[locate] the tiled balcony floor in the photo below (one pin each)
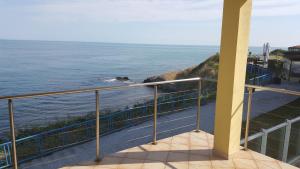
(185, 151)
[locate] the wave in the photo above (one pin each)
(110, 80)
(128, 82)
(116, 80)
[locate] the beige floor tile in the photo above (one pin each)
(158, 156)
(223, 167)
(199, 160)
(200, 134)
(122, 153)
(211, 144)
(161, 147)
(203, 151)
(193, 166)
(146, 147)
(177, 165)
(195, 146)
(184, 135)
(222, 164)
(135, 149)
(131, 164)
(287, 166)
(153, 165)
(189, 150)
(137, 155)
(82, 167)
(166, 140)
(268, 165)
(181, 140)
(199, 142)
(179, 148)
(110, 162)
(178, 157)
(209, 136)
(258, 156)
(242, 155)
(102, 167)
(245, 164)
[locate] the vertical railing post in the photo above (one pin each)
(39, 142)
(12, 134)
(8, 146)
(286, 140)
(97, 127)
(199, 104)
(5, 154)
(263, 147)
(250, 93)
(155, 115)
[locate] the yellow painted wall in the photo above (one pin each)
(232, 72)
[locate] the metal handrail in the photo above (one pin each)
(264, 134)
(96, 90)
(83, 90)
(154, 84)
(273, 89)
(250, 89)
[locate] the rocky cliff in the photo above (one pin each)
(208, 69)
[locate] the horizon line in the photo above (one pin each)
(129, 43)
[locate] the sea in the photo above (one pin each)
(44, 66)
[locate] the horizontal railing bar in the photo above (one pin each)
(294, 160)
(269, 130)
(259, 76)
(277, 90)
(285, 91)
(252, 137)
(96, 88)
(276, 127)
(295, 119)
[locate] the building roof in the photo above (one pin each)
(293, 56)
(295, 47)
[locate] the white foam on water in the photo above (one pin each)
(110, 80)
(128, 82)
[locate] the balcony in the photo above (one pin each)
(190, 150)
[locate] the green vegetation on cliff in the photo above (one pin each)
(208, 69)
(278, 52)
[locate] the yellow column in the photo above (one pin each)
(232, 73)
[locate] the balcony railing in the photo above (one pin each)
(10, 149)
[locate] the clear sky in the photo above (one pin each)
(195, 22)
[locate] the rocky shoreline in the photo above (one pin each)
(207, 69)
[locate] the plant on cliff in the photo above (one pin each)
(206, 69)
(278, 52)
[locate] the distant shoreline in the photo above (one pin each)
(128, 43)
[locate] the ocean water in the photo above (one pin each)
(40, 66)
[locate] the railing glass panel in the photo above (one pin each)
(294, 145)
(275, 142)
(255, 144)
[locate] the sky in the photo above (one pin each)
(188, 22)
